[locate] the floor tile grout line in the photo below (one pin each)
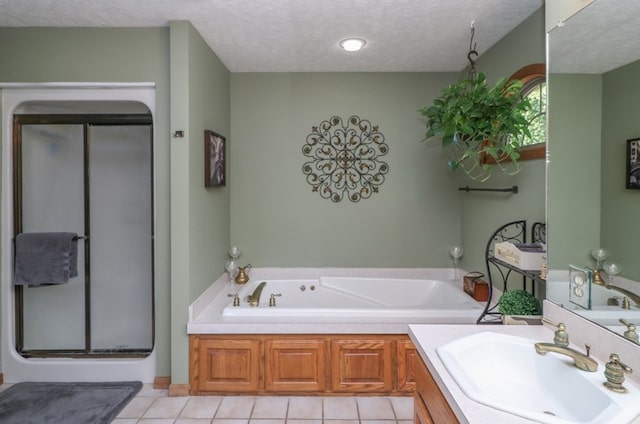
(286, 414)
(393, 409)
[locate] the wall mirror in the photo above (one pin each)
(593, 68)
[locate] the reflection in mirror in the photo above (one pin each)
(593, 66)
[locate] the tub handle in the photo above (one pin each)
(272, 298)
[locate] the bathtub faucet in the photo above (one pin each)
(254, 298)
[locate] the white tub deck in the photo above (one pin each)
(344, 300)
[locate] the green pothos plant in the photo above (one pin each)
(480, 124)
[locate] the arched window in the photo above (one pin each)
(535, 89)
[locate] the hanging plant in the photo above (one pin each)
(480, 124)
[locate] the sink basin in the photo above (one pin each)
(506, 373)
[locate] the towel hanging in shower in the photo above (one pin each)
(45, 258)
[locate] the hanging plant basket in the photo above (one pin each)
(480, 124)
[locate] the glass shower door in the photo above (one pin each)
(53, 201)
(121, 237)
(93, 178)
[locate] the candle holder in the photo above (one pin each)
(231, 265)
(612, 270)
(456, 253)
(599, 255)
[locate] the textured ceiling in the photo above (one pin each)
(303, 35)
(601, 37)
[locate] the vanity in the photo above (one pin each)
(439, 397)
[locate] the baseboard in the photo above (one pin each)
(179, 390)
(161, 382)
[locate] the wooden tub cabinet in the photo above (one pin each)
(322, 364)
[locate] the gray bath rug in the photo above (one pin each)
(65, 403)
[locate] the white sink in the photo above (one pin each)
(506, 373)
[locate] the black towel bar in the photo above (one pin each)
(513, 189)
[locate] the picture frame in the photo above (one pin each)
(215, 169)
(633, 164)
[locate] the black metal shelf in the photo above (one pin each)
(530, 274)
(515, 232)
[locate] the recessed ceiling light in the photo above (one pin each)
(352, 44)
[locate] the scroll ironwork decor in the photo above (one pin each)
(345, 159)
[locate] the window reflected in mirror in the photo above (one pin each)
(534, 88)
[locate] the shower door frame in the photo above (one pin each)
(87, 121)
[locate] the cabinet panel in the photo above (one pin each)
(228, 365)
(420, 411)
(428, 392)
(407, 355)
(295, 365)
(361, 365)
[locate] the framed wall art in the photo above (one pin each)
(214, 159)
(633, 164)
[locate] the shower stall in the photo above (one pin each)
(84, 167)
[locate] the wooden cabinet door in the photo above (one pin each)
(295, 365)
(427, 390)
(406, 355)
(362, 365)
(231, 366)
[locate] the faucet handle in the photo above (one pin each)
(272, 298)
(614, 372)
(561, 337)
(630, 334)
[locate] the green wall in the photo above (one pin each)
(277, 220)
(418, 214)
(200, 216)
(620, 231)
(482, 212)
(574, 172)
(109, 55)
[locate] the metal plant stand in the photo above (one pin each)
(514, 232)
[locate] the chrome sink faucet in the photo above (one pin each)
(561, 345)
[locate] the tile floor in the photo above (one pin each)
(152, 406)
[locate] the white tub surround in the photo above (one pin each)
(334, 300)
(427, 338)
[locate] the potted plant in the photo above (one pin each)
(519, 307)
(480, 124)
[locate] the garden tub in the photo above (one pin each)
(355, 297)
(334, 300)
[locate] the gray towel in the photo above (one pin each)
(45, 258)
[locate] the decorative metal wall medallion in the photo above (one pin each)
(345, 159)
